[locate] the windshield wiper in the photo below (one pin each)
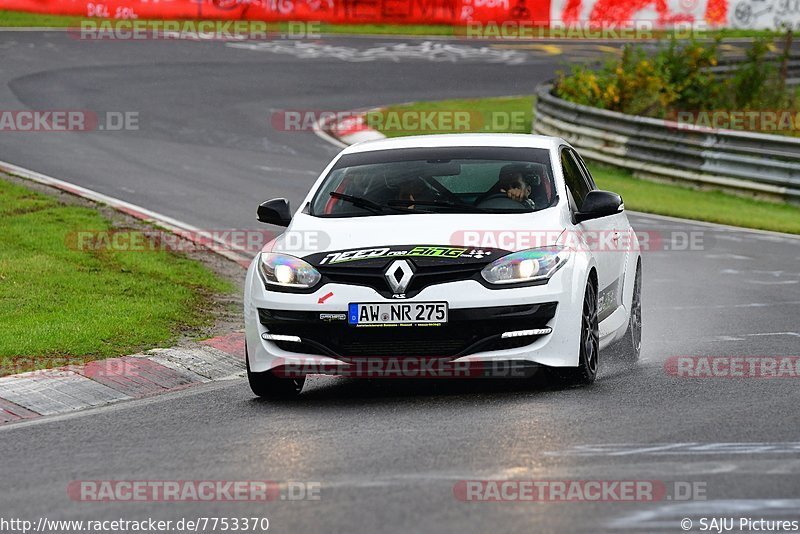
(358, 202)
(367, 204)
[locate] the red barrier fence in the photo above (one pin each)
(553, 13)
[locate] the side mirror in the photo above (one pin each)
(599, 204)
(275, 211)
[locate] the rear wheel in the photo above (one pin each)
(631, 344)
(589, 356)
(269, 386)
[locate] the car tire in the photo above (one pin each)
(268, 386)
(586, 371)
(631, 344)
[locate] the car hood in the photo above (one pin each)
(310, 236)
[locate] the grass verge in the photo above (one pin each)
(484, 115)
(687, 203)
(23, 19)
(59, 302)
(491, 114)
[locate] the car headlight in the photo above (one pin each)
(526, 266)
(287, 271)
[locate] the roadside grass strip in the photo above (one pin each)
(62, 304)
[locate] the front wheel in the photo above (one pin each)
(269, 386)
(589, 356)
(631, 344)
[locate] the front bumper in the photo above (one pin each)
(478, 318)
(468, 331)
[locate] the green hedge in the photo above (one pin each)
(677, 78)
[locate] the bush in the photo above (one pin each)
(678, 77)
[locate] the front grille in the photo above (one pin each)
(424, 276)
(469, 331)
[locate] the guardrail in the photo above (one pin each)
(727, 66)
(766, 166)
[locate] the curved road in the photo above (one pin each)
(388, 455)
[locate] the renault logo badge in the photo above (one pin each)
(399, 275)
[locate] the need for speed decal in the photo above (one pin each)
(418, 251)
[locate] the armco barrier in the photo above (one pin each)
(727, 67)
(736, 161)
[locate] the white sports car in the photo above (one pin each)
(469, 254)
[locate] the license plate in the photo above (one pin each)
(401, 313)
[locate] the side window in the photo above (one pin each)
(574, 178)
(586, 173)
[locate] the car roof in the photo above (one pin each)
(458, 140)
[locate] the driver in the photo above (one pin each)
(512, 182)
(415, 189)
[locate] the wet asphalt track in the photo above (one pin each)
(388, 454)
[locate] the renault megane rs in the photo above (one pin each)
(476, 250)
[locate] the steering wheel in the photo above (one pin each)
(498, 201)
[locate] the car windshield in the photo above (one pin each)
(437, 180)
